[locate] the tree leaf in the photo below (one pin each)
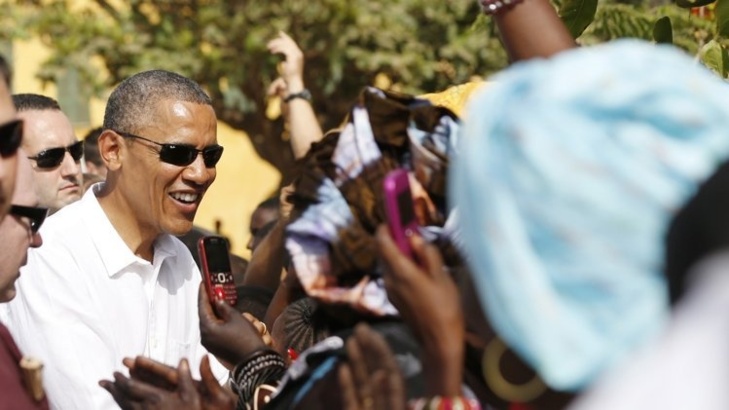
(663, 31)
(722, 18)
(689, 4)
(577, 15)
(714, 56)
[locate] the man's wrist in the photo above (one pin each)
(295, 84)
(303, 94)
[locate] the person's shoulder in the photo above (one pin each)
(68, 220)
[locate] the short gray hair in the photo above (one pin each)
(132, 103)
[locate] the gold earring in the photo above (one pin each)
(515, 393)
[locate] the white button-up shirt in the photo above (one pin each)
(85, 302)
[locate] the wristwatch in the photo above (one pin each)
(303, 94)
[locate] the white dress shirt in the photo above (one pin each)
(85, 302)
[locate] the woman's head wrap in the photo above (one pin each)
(570, 170)
(339, 201)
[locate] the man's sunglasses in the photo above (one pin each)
(11, 135)
(53, 157)
(36, 215)
(182, 154)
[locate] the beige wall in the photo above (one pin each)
(243, 179)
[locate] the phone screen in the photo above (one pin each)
(405, 207)
(217, 255)
(219, 280)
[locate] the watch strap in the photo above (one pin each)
(303, 94)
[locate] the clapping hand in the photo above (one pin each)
(370, 379)
(154, 385)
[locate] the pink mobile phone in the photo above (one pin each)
(400, 210)
(216, 271)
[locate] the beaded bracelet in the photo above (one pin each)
(444, 403)
(492, 7)
(262, 367)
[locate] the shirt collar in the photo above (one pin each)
(113, 251)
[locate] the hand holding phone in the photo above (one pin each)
(400, 210)
(216, 271)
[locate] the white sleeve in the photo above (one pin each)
(53, 318)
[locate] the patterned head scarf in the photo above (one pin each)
(569, 173)
(338, 197)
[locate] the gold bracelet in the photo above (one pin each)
(515, 393)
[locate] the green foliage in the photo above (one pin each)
(715, 57)
(687, 4)
(577, 15)
(422, 46)
(663, 31)
(722, 18)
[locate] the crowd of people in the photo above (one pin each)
(570, 250)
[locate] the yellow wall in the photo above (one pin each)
(243, 181)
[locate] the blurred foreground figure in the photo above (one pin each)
(564, 210)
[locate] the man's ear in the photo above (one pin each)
(111, 149)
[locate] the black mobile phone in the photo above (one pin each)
(216, 271)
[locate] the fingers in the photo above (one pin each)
(205, 309)
(118, 396)
(375, 349)
(208, 378)
(378, 395)
(128, 362)
(154, 373)
(358, 366)
(224, 310)
(283, 44)
(400, 266)
(278, 88)
(346, 384)
(187, 390)
(136, 390)
(428, 255)
(260, 326)
(393, 387)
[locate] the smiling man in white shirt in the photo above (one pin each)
(111, 280)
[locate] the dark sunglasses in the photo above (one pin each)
(182, 154)
(11, 135)
(36, 215)
(51, 158)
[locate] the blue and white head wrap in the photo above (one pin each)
(569, 172)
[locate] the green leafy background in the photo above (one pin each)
(421, 46)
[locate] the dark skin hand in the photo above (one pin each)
(429, 302)
(225, 332)
(133, 394)
(370, 379)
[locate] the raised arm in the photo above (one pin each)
(303, 125)
(529, 28)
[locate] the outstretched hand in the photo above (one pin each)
(428, 300)
(179, 391)
(292, 68)
(225, 332)
(370, 379)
